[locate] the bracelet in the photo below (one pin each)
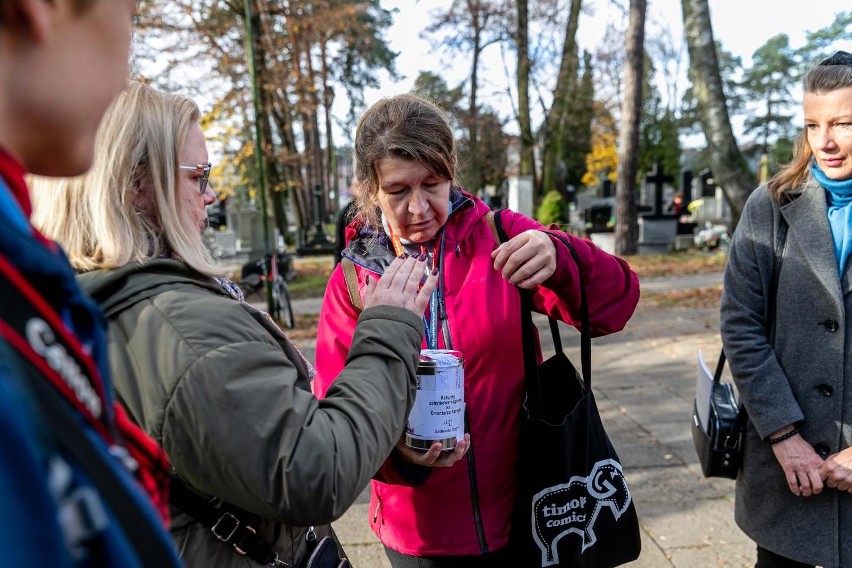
(783, 437)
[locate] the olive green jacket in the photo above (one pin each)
(222, 389)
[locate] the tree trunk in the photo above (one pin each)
(730, 170)
(332, 204)
(626, 224)
(263, 136)
(554, 123)
(474, 178)
(290, 160)
(527, 143)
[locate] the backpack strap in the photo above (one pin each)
(489, 218)
(351, 278)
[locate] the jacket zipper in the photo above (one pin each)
(471, 465)
(474, 491)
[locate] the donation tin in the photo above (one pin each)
(438, 411)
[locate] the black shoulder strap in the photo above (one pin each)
(530, 366)
(780, 244)
(225, 521)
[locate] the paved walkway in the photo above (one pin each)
(644, 379)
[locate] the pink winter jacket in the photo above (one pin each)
(466, 509)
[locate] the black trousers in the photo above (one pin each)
(767, 559)
(498, 558)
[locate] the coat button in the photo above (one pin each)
(831, 325)
(824, 389)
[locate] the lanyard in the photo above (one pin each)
(431, 323)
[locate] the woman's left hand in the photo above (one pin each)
(527, 259)
(837, 470)
(434, 456)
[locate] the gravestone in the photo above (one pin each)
(319, 242)
(686, 186)
(685, 233)
(227, 242)
(656, 229)
(712, 206)
(599, 216)
(521, 195)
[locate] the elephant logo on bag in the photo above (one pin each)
(574, 507)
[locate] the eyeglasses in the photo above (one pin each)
(205, 174)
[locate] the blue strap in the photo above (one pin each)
(11, 212)
(432, 322)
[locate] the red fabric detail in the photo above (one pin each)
(153, 472)
(13, 173)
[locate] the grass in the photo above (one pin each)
(312, 275)
(679, 263)
(692, 299)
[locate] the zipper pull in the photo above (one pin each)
(458, 250)
(376, 512)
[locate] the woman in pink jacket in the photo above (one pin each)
(452, 508)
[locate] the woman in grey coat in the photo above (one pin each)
(793, 491)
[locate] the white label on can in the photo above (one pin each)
(437, 415)
(438, 410)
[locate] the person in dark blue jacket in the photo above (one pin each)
(80, 486)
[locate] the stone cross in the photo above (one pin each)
(658, 178)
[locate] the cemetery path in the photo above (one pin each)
(644, 381)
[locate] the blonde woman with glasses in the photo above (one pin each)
(212, 378)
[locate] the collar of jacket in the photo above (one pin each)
(371, 247)
(117, 289)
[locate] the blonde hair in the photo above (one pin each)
(97, 217)
(823, 78)
(404, 126)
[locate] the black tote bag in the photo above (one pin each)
(573, 507)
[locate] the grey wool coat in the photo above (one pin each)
(220, 387)
(803, 376)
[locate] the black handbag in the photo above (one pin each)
(718, 420)
(573, 506)
(718, 431)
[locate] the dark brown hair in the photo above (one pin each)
(404, 126)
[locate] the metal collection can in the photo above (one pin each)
(438, 411)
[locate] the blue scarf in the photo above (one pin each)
(838, 195)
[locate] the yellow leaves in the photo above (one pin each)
(602, 161)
